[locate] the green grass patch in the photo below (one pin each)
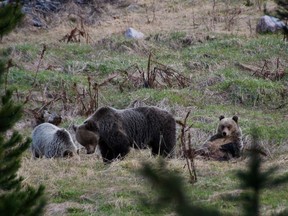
(76, 211)
(69, 194)
(253, 92)
(23, 79)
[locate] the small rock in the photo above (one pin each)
(132, 33)
(133, 7)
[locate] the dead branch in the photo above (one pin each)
(41, 115)
(48, 103)
(156, 75)
(108, 80)
(266, 71)
(39, 63)
(189, 153)
(76, 34)
(90, 96)
(171, 75)
(150, 82)
(230, 16)
(93, 90)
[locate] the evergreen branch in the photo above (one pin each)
(9, 113)
(171, 192)
(15, 199)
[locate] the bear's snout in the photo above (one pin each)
(90, 152)
(68, 154)
(90, 149)
(224, 134)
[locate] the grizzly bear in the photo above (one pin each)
(51, 141)
(226, 143)
(115, 131)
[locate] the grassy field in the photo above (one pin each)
(229, 70)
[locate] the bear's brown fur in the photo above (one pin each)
(226, 143)
(115, 131)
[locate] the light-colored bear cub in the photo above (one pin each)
(51, 141)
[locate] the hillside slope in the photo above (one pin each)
(227, 69)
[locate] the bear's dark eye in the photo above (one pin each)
(229, 127)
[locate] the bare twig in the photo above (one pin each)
(39, 63)
(148, 71)
(76, 34)
(189, 153)
(266, 71)
(250, 27)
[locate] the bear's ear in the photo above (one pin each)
(221, 117)
(91, 125)
(235, 118)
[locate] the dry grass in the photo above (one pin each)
(170, 16)
(82, 182)
(84, 186)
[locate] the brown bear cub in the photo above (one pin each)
(227, 143)
(115, 131)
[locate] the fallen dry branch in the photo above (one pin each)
(84, 97)
(157, 75)
(169, 77)
(266, 71)
(108, 80)
(75, 35)
(88, 98)
(165, 76)
(133, 75)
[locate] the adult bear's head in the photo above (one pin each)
(87, 135)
